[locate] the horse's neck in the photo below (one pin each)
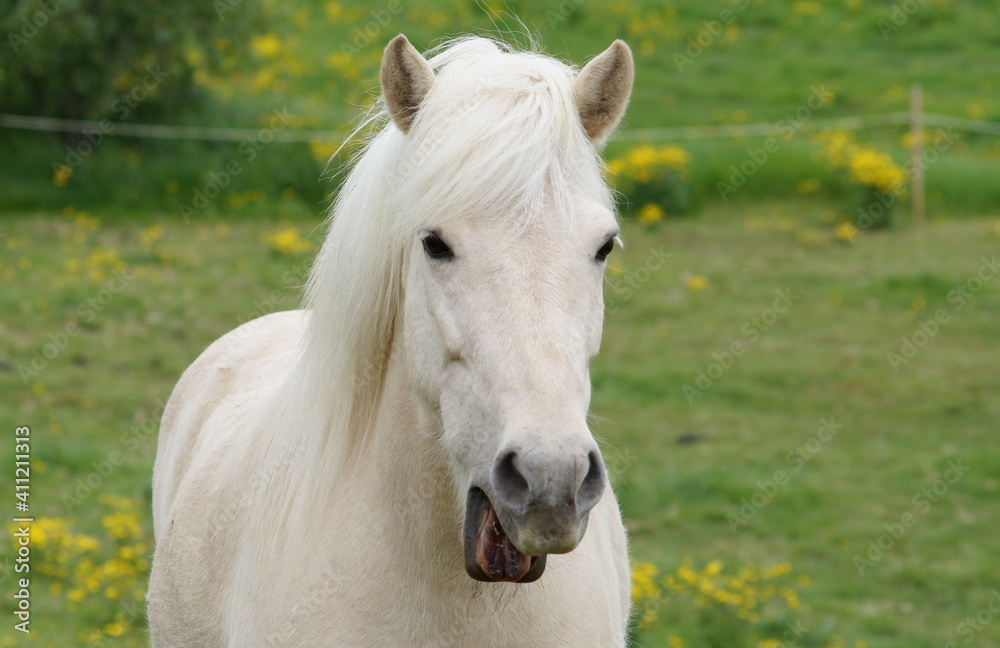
(398, 501)
(407, 474)
(394, 498)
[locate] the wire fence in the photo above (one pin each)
(676, 133)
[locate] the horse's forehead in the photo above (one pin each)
(552, 224)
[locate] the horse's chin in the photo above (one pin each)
(490, 555)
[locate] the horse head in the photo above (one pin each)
(509, 224)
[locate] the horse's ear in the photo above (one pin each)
(602, 90)
(406, 79)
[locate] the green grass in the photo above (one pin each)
(825, 357)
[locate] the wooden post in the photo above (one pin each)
(917, 171)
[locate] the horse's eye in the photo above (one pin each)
(605, 250)
(436, 248)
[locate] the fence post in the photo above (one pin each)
(916, 153)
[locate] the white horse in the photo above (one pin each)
(393, 465)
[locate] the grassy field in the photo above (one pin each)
(696, 64)
(799, 418)
(688, 463)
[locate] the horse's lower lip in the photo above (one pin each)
(490, 556)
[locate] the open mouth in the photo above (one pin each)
(490, 556)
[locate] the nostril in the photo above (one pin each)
(593, 485)
(509, 484)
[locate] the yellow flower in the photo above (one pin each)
(776, 570)
(807, 186)
(646, 163)
(696, 283)
(266, 45)
(322, 151)
(263, 79)
(644, 581)
(807, 8)
(86, 222)
(150, 235)
(846, 232)
(875, 169)
(286, 240)
(651, 213)
(675, 642)
(713, 568)
(334, 10)
(194, 57)
(837, 145)
(62, 175)
(101, 262)
(976, 110)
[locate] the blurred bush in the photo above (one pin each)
(653, 181)
(97, 59)
(880, 179)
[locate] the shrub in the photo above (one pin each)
(653, 181)
(880, 179)
(96, 59)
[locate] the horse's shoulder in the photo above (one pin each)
(225, 384)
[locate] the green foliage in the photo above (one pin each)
(97, 59)
(653, 180)
(744, 607)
